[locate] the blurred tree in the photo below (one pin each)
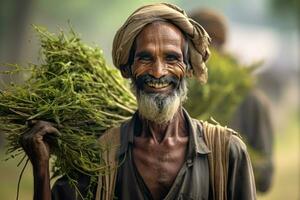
(15, 15)
(286, 6)
(14, 21)
(286, 12)
(228, 84)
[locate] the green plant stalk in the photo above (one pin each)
(74, 89)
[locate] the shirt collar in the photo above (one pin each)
(196, 140)
(127, 133)
(197, 143)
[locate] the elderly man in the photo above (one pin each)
(162, 153)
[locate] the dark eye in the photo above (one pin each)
(172, 58)
(145, 58)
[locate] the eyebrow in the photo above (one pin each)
(142, 54)
(174, 53)
(147, 53)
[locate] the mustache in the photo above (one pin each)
(147, 78)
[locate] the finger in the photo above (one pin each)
(30, 135)
(58, 126)
(37, 134)
(50, 130)
(46, 127)
(32, 122)
(40, 129)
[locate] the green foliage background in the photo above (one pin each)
(228, 83)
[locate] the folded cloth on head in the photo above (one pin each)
(197, 37)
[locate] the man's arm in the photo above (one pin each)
(41, 182)
(35, 143)
(241, 184)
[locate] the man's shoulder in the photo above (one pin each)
(111, 135)
(212, 127)
(214, 133)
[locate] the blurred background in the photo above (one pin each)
(265, 31)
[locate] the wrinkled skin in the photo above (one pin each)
(159, 53)
(159, 151)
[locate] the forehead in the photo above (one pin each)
(160, 34)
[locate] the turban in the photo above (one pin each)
(197, 37)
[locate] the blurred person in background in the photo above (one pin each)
(252, 117)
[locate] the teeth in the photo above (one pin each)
(158, 85)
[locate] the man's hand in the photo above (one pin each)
(37, 143)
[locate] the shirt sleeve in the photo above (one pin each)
(241, 184)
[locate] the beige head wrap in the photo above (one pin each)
(197, 37)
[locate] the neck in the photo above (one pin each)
(176, 127)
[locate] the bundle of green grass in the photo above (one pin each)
(228, 84)
(75, 90)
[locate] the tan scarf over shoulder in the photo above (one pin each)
(110, 143)
(216, 138)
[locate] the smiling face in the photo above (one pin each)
(158, 71)
(158, 64)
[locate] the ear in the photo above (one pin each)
(189, 73)
(126, 71)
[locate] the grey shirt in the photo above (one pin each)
(192, 181)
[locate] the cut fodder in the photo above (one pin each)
(75, 90)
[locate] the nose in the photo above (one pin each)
(158, 69)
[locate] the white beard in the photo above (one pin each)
(161, 108)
